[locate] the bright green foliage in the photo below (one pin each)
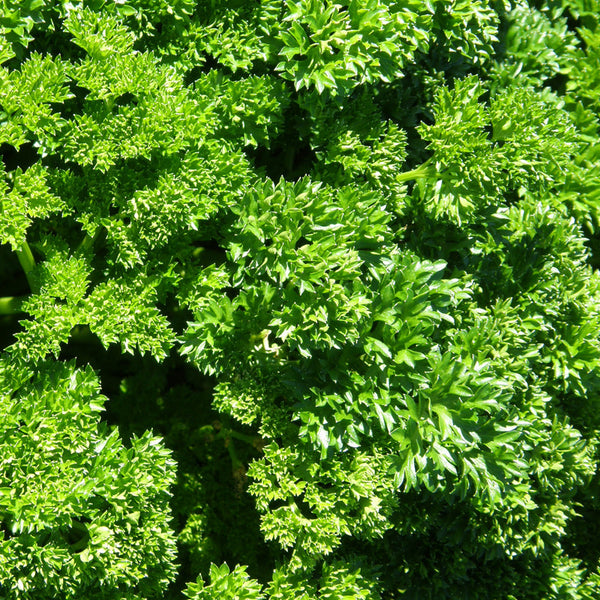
(507, 143)
(250, 111)
(538, 45)
(336, 582)
(18, 19)
(235, 585)
(26, 98)
(342, 257)
(26, 196)
(324, 43)
(80, 512)
(321, 503)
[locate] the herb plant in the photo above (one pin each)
(299, 299)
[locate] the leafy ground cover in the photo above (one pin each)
(299, 299)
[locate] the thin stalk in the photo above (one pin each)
(249, 439)
(11, 305)
(27, 262)
(88, 241)
(254, 440)
(288, 158)
(238, 471)
(236, 463)
(217, 431)
(424, 170)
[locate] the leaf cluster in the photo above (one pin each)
(370, 230)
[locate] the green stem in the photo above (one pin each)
(236, 463)
(288, 158)
(11, 305)
(249, 439)
(88, 241)
(254, 440)
(424, 170)
(27, 261)
(226, 434)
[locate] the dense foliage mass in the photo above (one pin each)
(299, 299)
